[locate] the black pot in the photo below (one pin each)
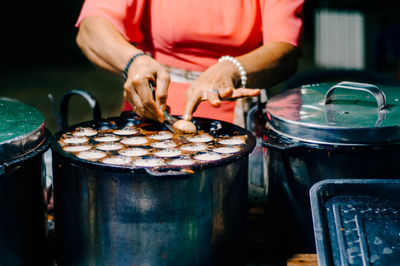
(23, 220)
(308, 138)
(122, 215)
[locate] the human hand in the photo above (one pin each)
(216, 84)
(137, 91)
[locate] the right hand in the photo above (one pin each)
(145, 69)
(214, 85)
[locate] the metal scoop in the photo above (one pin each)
(169, 119)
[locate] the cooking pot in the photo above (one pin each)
(23, 223)
(324, 131)
(168, 215)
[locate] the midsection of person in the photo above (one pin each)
(260, 35)
(192, 35)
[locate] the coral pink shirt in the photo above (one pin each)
(193, 34)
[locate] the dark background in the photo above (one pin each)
(40, 57)
(41, 33)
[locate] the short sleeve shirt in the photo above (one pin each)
(193, 34)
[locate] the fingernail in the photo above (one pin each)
(216, 104)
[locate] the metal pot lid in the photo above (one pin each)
(346, 113)
(21, 129)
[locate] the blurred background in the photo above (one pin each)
(40, 55)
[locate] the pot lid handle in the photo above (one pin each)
(379, 95)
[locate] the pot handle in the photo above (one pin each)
(94, 105)
(274, 141)
(379, 95)
(179, 172)
(281, 146)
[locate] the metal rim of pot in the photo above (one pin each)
(22, 135)
(160, 172)
(312, 115)
(22, 129)
(19, 160)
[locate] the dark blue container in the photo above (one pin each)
(356, 221)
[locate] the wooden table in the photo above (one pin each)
(302, 260)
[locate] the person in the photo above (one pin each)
(210, 53)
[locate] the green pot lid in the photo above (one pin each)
(21, 129)
(345, 113)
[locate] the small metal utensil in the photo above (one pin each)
(169, 119)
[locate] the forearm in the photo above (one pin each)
(269, 64)
(103, 44)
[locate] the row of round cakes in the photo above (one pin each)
(157, 149)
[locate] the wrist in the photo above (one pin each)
(126, 69)
(240, 74)
(230, 70)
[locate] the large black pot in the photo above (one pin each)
(311, 136)
(23, 221)
(121, 215)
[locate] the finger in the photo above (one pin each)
(132, 101)
(163, 80)
(225, 93)
(128, 96)
(192, 101)
(139, 108)
(213, 97)
(136, 102)
(132, 97)
(155, 90)
(146, 96)
(243, 92)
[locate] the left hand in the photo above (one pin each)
(216, 84)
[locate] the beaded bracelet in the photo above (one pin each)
(125, 72)
(238, 65)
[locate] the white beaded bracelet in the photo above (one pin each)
(242, 72)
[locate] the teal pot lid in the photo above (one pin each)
(21, 129)
(345, 113)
